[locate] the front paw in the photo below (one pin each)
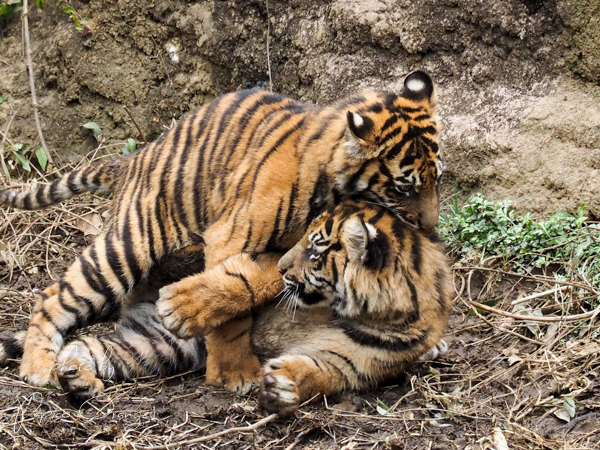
(39, 369)
(278, 391)
(239, 376)
(178, 312)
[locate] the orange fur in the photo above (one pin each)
(245, 174)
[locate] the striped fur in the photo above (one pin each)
(367, 297)
(373, 294)
(100, 177)
(245, 174)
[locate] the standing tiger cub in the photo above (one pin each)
(367, 296)
(244, 174)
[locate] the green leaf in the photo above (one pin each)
(93, 126)
(131, 145)
(41, 156)
(570, 406)
(22, 161)
(382, 408)
(2, 98)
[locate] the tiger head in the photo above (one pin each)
(397, 136)
(358, 260)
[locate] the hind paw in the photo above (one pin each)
(78, 378)
(239, 380)
(278, 390)
(39, 369)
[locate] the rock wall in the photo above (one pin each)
(517, 80)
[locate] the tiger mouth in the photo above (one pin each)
(303, 295)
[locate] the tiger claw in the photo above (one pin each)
(171, 308)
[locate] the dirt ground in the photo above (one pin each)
(502, 380)
(519, 98)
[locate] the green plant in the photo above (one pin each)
(130, 147)
(9, 7)
(94, 128)
(485, 228)
(7, 10)
(20, 154)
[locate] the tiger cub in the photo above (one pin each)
(373, 295)
(243, 175)
(367, 296)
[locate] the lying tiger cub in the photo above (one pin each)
(367, 295)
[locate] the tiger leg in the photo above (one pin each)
(292, 379)
(206, 302)
(200, 303)
(91, 290)
(140, 346)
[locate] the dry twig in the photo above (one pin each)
(34, 101)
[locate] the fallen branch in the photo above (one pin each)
(4, 138)
(539, 294)
(252, 427)
(570, 318)
(36, 114)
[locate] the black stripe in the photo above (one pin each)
(346, 360)
(291, 208)
(320, 197)
(40, 196)
(199, 198)
(248, 239)
(12, 348)
(246, 283)
(115, 265)
(73, 186)
(272, 242)
(391, 343)
(179, 190)
(414, 314)
(417, 253)
(132, 262)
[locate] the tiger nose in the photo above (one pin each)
(429, 220)
(285, 262)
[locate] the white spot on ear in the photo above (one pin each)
(415, 85)
(371, 230)
(358, 120)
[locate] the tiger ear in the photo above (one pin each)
(356, 235)
(418, 86)
(362, 132)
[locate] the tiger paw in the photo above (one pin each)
(178, 309)
(77, 377)
(278, 390)
(439, 349)
(239, 380)
(195, 306)
(39, 369)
